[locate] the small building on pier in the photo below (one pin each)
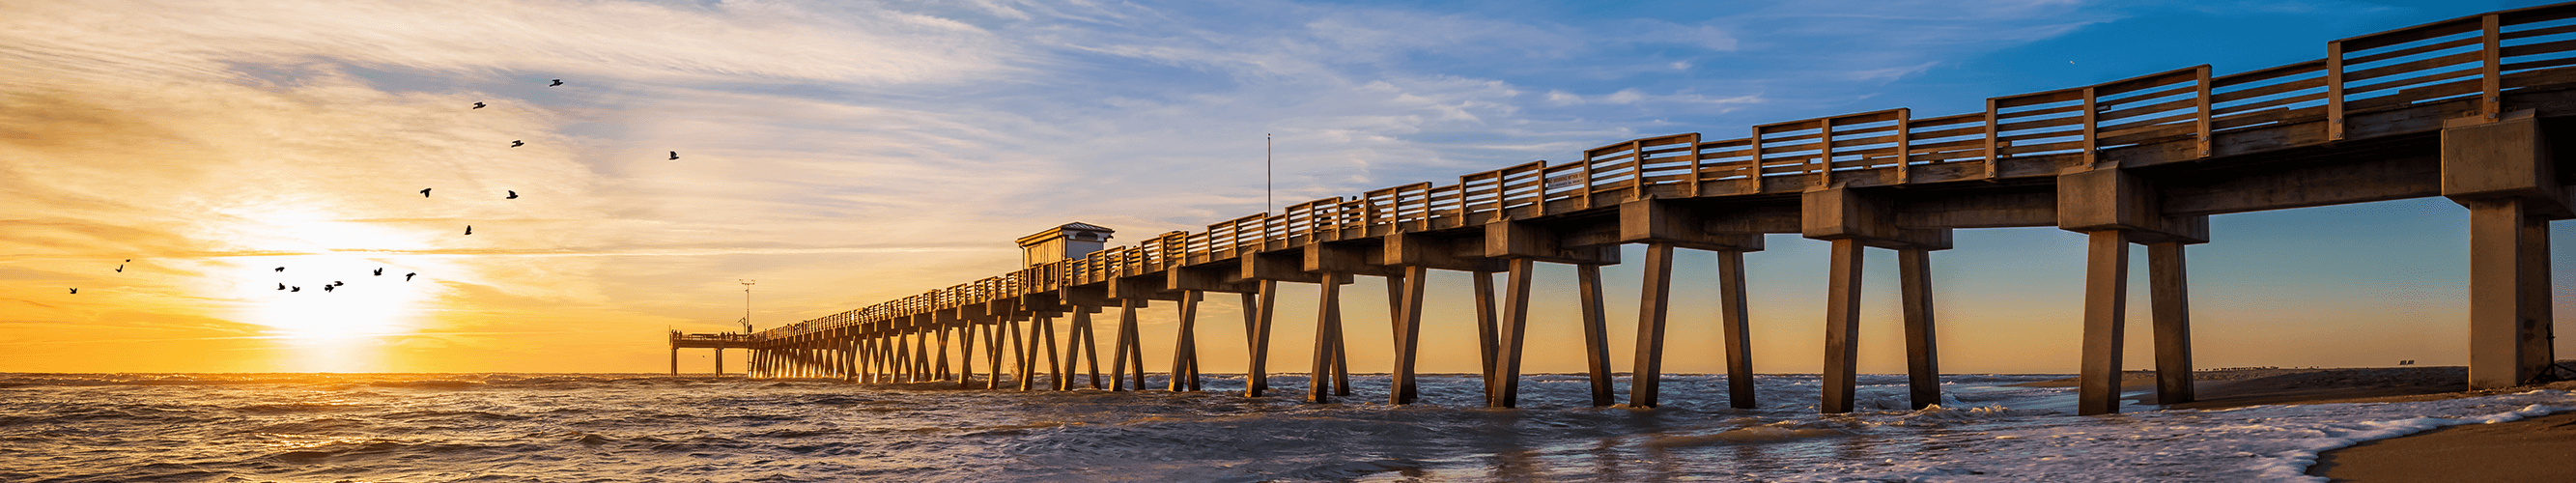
(1073, 240)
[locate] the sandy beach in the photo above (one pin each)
(2541, 449)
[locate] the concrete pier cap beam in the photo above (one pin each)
(2503, 171)
(1667, 222)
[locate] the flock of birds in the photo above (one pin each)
(424, 193)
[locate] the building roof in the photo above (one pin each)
(1059, 230)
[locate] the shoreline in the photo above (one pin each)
(2535, 449)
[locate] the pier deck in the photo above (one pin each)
(2464, 108)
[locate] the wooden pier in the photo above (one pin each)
(2461, 108)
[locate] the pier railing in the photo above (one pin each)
(2177, 113)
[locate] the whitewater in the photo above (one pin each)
(634, 427)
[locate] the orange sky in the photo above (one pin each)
(845, 155)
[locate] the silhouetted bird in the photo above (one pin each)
(517, 143)
(407, 276)
(557, 83)
(75, 291)
(514, 194)
(327, 288)
(469, 229)
(120, 269)
(336, 283)
(380, 272)
(281, 269)
(281, 286)
(675, 155)
(295, 289)
(424, 192)
(478, 105)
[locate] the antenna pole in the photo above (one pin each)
(746, 304)
(1266, 203)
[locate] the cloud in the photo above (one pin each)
(719, 41)
(844, 154)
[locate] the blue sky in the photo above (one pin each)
(852, 152)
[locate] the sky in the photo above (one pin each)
(843, 154)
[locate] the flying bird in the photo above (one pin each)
(407, 276)
(557, 83)
(478, 105)
(469, 229)
(514, 194)
(281, 269)
(76, 291)
(516, 143)
(424, 192)
(336, 283)
(295, 289)
(120, 269)
(675, 155)
(380, 272)
(281, 286)
(327, 288)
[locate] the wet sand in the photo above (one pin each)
(2541, 449)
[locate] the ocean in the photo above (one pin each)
(647, 428)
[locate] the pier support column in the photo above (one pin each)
(1086, 348)
(1012, 329)
(2106, 296)
(1042, 334)
(1922, 361)
(940, 368)
(1842, 325)
(993, 352)
(1735, 326)
(1596, 332)
(1127, 350)
(1185, 346)
(1515, 322)
(675, 360)
(966, 354)
(1654, 301)
(2509, 324)
(719, 360)
(1256, 328)
(2170, 304)
(1328, 326)
(1408, 335)
(1487, 328)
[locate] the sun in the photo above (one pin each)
(357, 303)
